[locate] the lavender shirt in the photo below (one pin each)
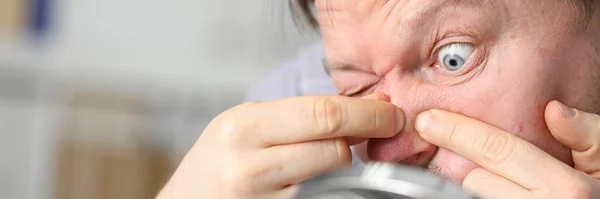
(303, 75)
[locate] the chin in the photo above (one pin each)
(451, 166)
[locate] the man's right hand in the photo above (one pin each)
(265, 150)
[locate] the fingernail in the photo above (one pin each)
(399, 120)
(566, 111)
(423, 121)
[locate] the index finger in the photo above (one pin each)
(301, 119)
(493, 149)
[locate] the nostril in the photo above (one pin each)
(410, 160)
(417, 159)
(422, 158)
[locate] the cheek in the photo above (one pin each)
(510, 93)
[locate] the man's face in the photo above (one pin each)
(497, 61)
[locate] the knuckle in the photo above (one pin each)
(328, 114)
(452, 134)
(376, 120)
(338, 152)
(343, 152)
(232, 130)
(232, 127)
(498, 148)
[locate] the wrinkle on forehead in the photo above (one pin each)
(329, 8)
(424, 15)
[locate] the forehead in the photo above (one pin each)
(332, 7)
(350, 29)
(361, 20)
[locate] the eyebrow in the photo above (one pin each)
(407, 26)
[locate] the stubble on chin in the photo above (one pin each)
(441, 171)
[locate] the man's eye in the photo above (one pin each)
(454, 56)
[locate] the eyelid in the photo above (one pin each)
(362, 92)
(448, 41)
(352, 91)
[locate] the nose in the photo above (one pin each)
(407, 148)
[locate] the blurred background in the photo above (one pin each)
(102, 98)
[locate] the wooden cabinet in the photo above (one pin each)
(106, 153)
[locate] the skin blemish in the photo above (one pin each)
(517, 128)
(520, 128)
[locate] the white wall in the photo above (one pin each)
(190, 58)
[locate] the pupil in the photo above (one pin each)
(453, 62)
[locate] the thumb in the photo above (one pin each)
(579, 131)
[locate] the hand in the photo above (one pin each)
(264, 150)
(515, 168)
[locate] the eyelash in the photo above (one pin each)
(361, 92)
(357, 94)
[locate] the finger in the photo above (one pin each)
(374, 96)
(301, 119)
(493, 149)
(579, 131)
(295, 163)
(491, 186)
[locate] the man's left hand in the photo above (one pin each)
(514, 168)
